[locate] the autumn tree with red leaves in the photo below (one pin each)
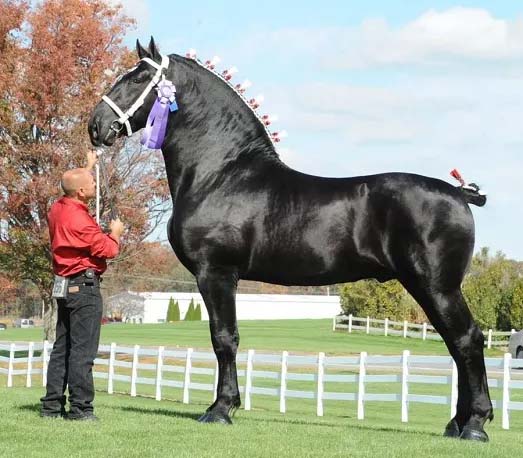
(56, 60)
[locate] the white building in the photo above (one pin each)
(248, 306)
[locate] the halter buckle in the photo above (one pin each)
(119, 127)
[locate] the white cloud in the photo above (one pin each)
(456, 32)
(433, 37)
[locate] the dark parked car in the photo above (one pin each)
(3, 326)
(515, 346)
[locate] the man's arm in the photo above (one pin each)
(91, 237)
(92, 159)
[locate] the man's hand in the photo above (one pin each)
(92, 159)
(117, 228)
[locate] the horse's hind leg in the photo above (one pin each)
(449, 314)
(218, 289)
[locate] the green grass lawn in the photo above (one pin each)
(310, 336)
(141, 427)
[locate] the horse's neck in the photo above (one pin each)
(213, 132)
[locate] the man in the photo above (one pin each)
(79, 249)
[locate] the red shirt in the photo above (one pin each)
(77, 242)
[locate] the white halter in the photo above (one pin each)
(123, 120)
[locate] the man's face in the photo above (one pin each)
(87, 190)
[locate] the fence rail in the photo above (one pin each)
(346, 376)
(424, 331)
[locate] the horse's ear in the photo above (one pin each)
(141, 51)
(155, 53)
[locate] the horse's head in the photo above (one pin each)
(126, 107)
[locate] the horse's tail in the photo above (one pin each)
(471, 192)
(473, 195)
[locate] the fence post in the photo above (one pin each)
(134, 370)
(10, 367)
(512, 331)
(489, 339)
(506, 392)
(361, 386)
(216, 379)
(405, 386)
(248, 380)
(45, 355)
(30, 355)
(386, 327)
(110, 375)
(454, 390)
(159, 369)
(187, 378)
(319, 390)
(424, 332)
(283, 381)
(405, 329)
(350, 323)
(334, 323)
(368, 325)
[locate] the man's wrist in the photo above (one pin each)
(115, 237)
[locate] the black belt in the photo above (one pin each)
(85, 277)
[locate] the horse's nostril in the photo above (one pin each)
(94, 130)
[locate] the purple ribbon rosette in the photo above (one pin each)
(154, 132)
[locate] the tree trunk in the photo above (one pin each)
(50, 317)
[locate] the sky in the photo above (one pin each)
(376, 86)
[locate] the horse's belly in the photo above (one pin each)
(312, 267)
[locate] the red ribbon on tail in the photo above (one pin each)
(455, 174)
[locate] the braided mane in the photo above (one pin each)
(226, 77)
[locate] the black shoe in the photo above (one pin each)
(82, 417)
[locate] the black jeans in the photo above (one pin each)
(74, 351)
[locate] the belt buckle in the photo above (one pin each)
(89, 273)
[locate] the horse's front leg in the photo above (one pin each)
(218, 289)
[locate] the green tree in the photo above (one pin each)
(197, 313)
(189, 316)
(487, 288)
(516, 305)
(176, 312)
(170, 311)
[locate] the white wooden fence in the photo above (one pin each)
(424, 331)
(323, 371)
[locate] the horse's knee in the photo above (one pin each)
(226, 343)
(472, 339)
(477, 337)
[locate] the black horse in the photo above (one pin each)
(240, 213)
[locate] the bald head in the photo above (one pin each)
(78, 183)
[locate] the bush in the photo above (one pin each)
(379, 300)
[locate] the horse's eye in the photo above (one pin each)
(139, 79)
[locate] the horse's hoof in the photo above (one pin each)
(212, 417)
(452, 429)
(474, 434)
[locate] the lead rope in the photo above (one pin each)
(112, 209)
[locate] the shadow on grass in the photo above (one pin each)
(165, 412)
(291, 421)
(30, 407)
(390, 429)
